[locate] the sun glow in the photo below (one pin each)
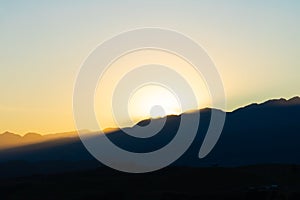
(149, 100)
(153, 101)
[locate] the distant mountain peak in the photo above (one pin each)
(283, 102)
(295, 100)
(7, 133)
(273, 102)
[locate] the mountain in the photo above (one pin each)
(255, 134)
(11, 140)
(8, 139)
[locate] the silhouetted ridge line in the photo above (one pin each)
(264, 133)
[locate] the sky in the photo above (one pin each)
(255, 46)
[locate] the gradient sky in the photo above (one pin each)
(254, 44)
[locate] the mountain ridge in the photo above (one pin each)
(281, 101)
(11, 140)
(273, 102)
(259, 135)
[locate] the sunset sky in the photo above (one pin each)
(254, 44)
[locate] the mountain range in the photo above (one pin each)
(255, 134)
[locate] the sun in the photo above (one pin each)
(153, 101)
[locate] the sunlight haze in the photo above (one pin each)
(255, 46)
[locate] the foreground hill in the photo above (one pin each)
(263, 182)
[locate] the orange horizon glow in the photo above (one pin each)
(254, 45)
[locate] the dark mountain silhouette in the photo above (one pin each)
(255, 134)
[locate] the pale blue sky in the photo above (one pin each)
(255, 45)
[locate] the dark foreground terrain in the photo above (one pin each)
(266, 182)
